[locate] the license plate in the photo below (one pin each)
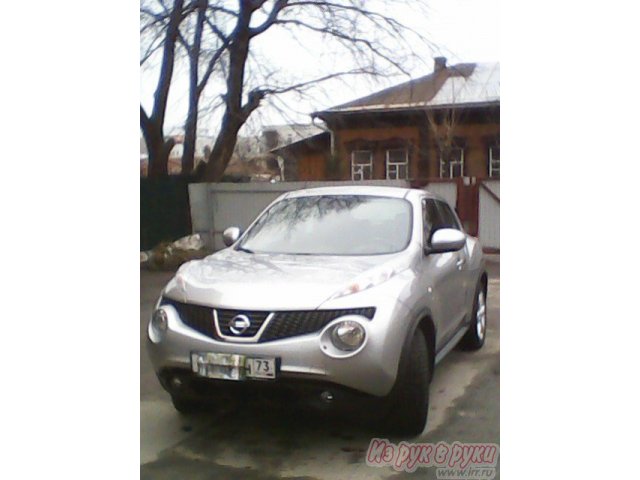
(230, 366)
(261, 367)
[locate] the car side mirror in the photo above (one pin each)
(447, 240)
(230, 236)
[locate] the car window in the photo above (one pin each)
(449, 219)
(332, 225)
(431, 218)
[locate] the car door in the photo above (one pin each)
(441, 278)
(462, 276)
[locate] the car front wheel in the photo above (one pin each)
(409, 399)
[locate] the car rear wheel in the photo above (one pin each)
(474, 338)
(409, 399)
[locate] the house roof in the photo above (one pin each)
(465, 84)
(291, 134)
(317, 142)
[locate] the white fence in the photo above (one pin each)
(216, 206)
(489, 214)
(447, 190)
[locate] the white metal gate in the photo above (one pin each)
(489, 214)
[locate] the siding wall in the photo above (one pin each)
(475, 154)
(346, 137)
(474, 134)
(312, 167)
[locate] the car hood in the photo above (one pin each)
(239, 280)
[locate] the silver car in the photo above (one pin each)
(345, 295)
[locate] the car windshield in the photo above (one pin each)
(332, 225)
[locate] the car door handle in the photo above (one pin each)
(460, 263)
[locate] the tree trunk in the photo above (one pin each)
(191, 124)
(159, 157)
(152, 125)
(158, 150)
(222, 151)
(234, 113)
(190, 136)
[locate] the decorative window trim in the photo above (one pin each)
(451, 164)
(397, 165)
(357, 170)
(494, 164)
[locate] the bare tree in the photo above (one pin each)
(442, 124)
(204, 53)
(152, 125)
(377, 43)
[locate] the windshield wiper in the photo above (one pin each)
(246, 250)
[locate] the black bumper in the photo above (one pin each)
(285, 389)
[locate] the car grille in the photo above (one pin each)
(290, 324)
(198, 317)
(256, 318)
(284, 324)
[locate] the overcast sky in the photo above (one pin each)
(463, 30)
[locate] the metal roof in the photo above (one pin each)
(319, 137)
(465, 84)
(482, 86)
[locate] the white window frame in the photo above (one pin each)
(451, 164)
(357, 169)
(493, 170)
(397, 165)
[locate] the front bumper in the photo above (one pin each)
(371, 371)
(318, 394)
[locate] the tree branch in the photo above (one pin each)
(212, 63)
(271, 18)
(254, 98)
(346, 38)
(302, 85)
(166, 69)
(216, 30)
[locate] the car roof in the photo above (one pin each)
(373, 190)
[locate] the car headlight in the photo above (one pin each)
(159, 320)
(368, 280)
(347, 335)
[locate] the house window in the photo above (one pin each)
(397, 164)
(452, 163)
(361, 165)
(494, 161)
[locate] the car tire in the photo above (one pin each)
(186, 405)
(475, 336)
(409, 399)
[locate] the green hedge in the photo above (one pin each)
(164, 210)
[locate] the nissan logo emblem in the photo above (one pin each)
(239, 324)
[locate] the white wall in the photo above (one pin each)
(447, 190)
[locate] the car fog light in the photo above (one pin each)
(347, 335)
(159, 320)
(326, 396)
